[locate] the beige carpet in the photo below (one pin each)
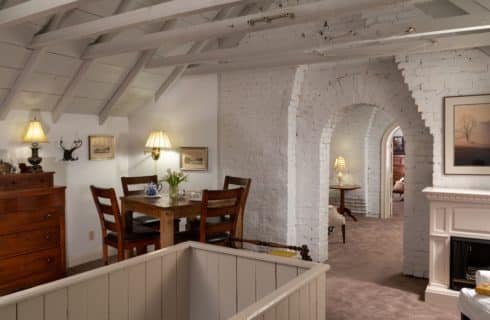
(365, 281)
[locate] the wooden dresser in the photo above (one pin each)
(32, 231)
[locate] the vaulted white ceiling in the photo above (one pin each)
(105, 57)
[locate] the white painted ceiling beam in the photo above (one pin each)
(130, 76)
(379, 34)
(196, 48)
(163, 11)
(33, 9)
(469, 6)
(83, 68)
(409, 47)
(484, 3)
(266, 20)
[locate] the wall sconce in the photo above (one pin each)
(340, 167)
(157, 140)
(35, 135)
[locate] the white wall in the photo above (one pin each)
(81, 216)
(188, 113)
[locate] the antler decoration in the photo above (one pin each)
(68, 153)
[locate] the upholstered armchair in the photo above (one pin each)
(472, 305)
(335, 219)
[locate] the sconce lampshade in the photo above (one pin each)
(35, 133)
(156, 141)
(339, 164)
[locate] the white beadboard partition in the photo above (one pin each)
(188, 281)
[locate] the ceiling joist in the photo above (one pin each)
(163, 11)
(409, 47)
(250, 23)
(380, 34)
(33, 9)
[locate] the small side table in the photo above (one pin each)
(342, 188)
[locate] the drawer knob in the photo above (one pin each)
(49, 215)
(49, 259)
(48, 237)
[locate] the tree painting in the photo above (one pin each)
(469, 123)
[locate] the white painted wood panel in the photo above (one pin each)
(212, 286)
(118, 295)
(265, 278)
(31, 309)
(154, 289)
(227, 286)
(321, 297)
(199, 298)
(294, 306)
(313, 300)
(245, 283)
(8, 312)
(137, 292)
(77, 302)
(98, 298)
(183, 280)
(56, 305)
(304, 305)
(169, 286)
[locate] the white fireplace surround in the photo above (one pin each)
(453, 212)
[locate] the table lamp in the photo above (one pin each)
(35, 135)
(340, 167)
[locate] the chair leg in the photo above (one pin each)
(343, 233)
(120, 254)
(463, 317)
(141, 250)
(157, 245)
(105, 255)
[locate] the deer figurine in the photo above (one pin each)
(68, 153)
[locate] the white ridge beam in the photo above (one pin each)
(33, 9)
(163, 11)
(379, 34)
(251, 23)
(347, 54)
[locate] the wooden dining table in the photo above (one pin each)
(164, 208)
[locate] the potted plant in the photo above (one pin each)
(174, 178)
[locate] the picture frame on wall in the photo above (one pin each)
(194, 158)
(101, 147)
(398, 145)
(467, 135)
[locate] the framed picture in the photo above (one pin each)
(467, 135)
(398, 145)
(194, 158)
(101, 147)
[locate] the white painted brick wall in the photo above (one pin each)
(431, 77)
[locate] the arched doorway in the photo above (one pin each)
(386, 202)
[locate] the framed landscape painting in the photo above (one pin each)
(467, 135)
(194, 158)
(101, 147)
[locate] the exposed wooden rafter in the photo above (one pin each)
(163, 11)
(196, 48)
(178, 71)
(32, 62)
(263, 21)
(130, 76)
(82, 71)
(409, 47)
(469, 6)
(380, 34)
(33, 9)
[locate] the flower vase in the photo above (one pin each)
(173, 191)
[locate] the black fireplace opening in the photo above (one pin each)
(467, 256)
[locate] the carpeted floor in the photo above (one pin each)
(365, 281)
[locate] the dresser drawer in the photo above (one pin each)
(28, 241)
(32, 201)
(29, 220)
(24, 267)
(26, 181)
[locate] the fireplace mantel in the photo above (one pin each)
(457, 195)
(453, 213)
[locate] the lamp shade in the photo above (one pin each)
(35, 133)
(158, 140)
(339, 164)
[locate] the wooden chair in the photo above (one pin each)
(219, 203)
(245, 183)
(112, 228)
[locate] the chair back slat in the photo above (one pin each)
(109, 215)
(219, 203)
(245, 183)
(127, 182)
